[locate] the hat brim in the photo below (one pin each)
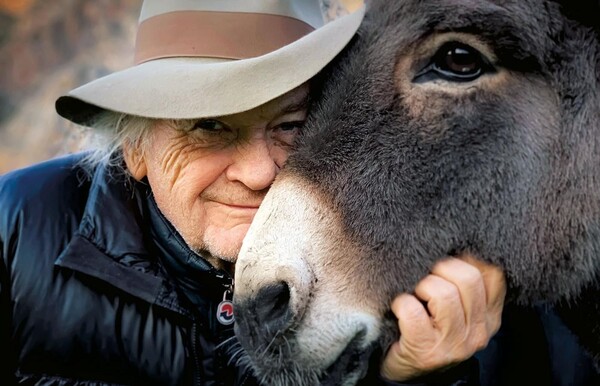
(184, 88)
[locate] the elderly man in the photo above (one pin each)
(116, 264)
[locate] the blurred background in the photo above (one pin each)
(48, 47)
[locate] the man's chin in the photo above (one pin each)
(218, 258)
(221, 244)
(223, 249)
(225, 255)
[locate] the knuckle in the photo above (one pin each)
(459, 355)
(479, 338)
(493, 324)
(448, 293)
(411, 314)
(472, 280)
(497, 273)
(433, 362)
(462, 274)
(473, 277)
(480, 344)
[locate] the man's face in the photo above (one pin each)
(208, 180)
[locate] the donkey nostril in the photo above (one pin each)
(264, 316)
(273, 306)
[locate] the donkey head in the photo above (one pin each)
(445, 127)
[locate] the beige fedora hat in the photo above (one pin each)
(206, 58)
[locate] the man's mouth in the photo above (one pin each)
(242, 206)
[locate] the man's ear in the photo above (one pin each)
(134, 159)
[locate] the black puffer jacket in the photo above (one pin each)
(96, 288)
(84, 291)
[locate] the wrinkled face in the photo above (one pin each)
(209, 177)
(445, 127)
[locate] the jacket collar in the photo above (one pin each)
(192, 273)
(125, 241)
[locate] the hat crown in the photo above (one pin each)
(208, 58)
(308, 11)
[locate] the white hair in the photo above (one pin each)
(110, 131)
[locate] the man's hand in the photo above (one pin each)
(463, 309)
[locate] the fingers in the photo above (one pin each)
(471, 293)
(453, 313)
(495, 286)
(410, 356)
(444, 303)
(413, 319)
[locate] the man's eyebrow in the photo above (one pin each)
(296, 106)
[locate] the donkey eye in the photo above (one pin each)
(455, 62)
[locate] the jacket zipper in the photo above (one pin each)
(227, 283)
(220, 359)
(197, 379)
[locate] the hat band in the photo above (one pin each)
(229, 35)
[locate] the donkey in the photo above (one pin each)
(446, 126)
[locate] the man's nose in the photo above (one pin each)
(254, 165)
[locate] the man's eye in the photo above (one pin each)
(455, 62)
(210, 125)
(291, 126)
(285, 133)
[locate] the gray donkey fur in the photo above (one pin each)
(507, 168)
(511, 175)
